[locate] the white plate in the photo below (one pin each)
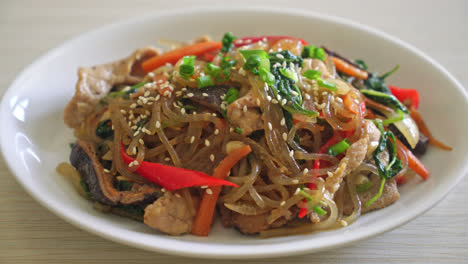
(34, 139)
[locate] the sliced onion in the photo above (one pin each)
(408, 128)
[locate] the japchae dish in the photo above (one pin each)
(269, 134)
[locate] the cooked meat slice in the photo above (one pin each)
(169, 214)
(101, 184)
(390, 195)
(250, 120)
(95, 82)
(374, 136)
(209, 97)
(354, 157)
(249, 224)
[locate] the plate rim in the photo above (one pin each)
(176, 247)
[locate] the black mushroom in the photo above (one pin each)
(420, 147)
(209, 97)
(101, 184)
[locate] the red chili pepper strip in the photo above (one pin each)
(209, 56)
(404, 94)
(173, 178)
(249, 40)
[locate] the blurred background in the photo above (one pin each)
(31, 234)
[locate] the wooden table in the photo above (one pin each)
(31, 234)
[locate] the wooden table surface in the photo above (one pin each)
(31, 234)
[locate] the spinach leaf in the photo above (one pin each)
(104, 129)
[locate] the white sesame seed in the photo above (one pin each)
(136, 163)
(183, 89)
(123, 111)
(357, 101)
(284, 101)
(305, 171)
(231, 129)
(270, 126)
(274, 101)
(285, 136)
(130, 164)
(204, 186)
(307, 96)
(282, 203)
(297, 191)
(245, 109)
(207, 142)
(205, 94)
(266, 87)
(283, 121)
(291, 153)
(330, 174)
(178, 195)
(157, 97)
(141, 141)
(134, 150)
(147, 93)
(279, 56)
(106, 170)
(136, 133)
(178, 93)
(295, 181)
(212, 157)
(194, 112)
(268, 98)
(133, 106)
(258, 101)
(190, 95)
(148, 85)
(343, 223)
(167, 93)
(294, 93)
(278, 97)
(209, 191)
(163, 190)
(213, 114)
(324, 93)
(158, 124)
(264, 39)
(151, 74)
(339, 100)
(175, 105)
(167, 159)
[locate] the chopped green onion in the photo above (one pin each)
(377, 196)
(267, 76)
(213, 70)
(204, 81)
(231, 95)
(252, 64)
(362, 64)
(392, 71)
(329, 85)
(187, 68)
(313, 52)
(363, 187)
(239, 130)
(318, 210)
(260, 53)
(338, 148)
(227, 41)
(288, 73)
(312, 74)
(319, 54)
(395, 119)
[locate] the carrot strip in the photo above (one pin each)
(204, 217)
(414, 163)
(425, 130)
(349, 69)
(173, 56)
(350, 104)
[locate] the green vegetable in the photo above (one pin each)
(123, 93)
(318, 210)
(204, 81)
(373, 199)
(141, 123)
(313, 52)
(125, 185)
(187, 68)
(213, 70)
(231, 95)
(86, 188)
(375, 82)
(362, 64)
(385, 99)
(329, 85)
(239, 130)
(227, 42)
(267, 76)
(394, 165)
(312, 74)
(283, 83)
(392, 120)
(252, 64)
(255, 60)
(72, 145)
(104, 129)
(289, 74)
(338, 148)
(226, 64)
(364, 187)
